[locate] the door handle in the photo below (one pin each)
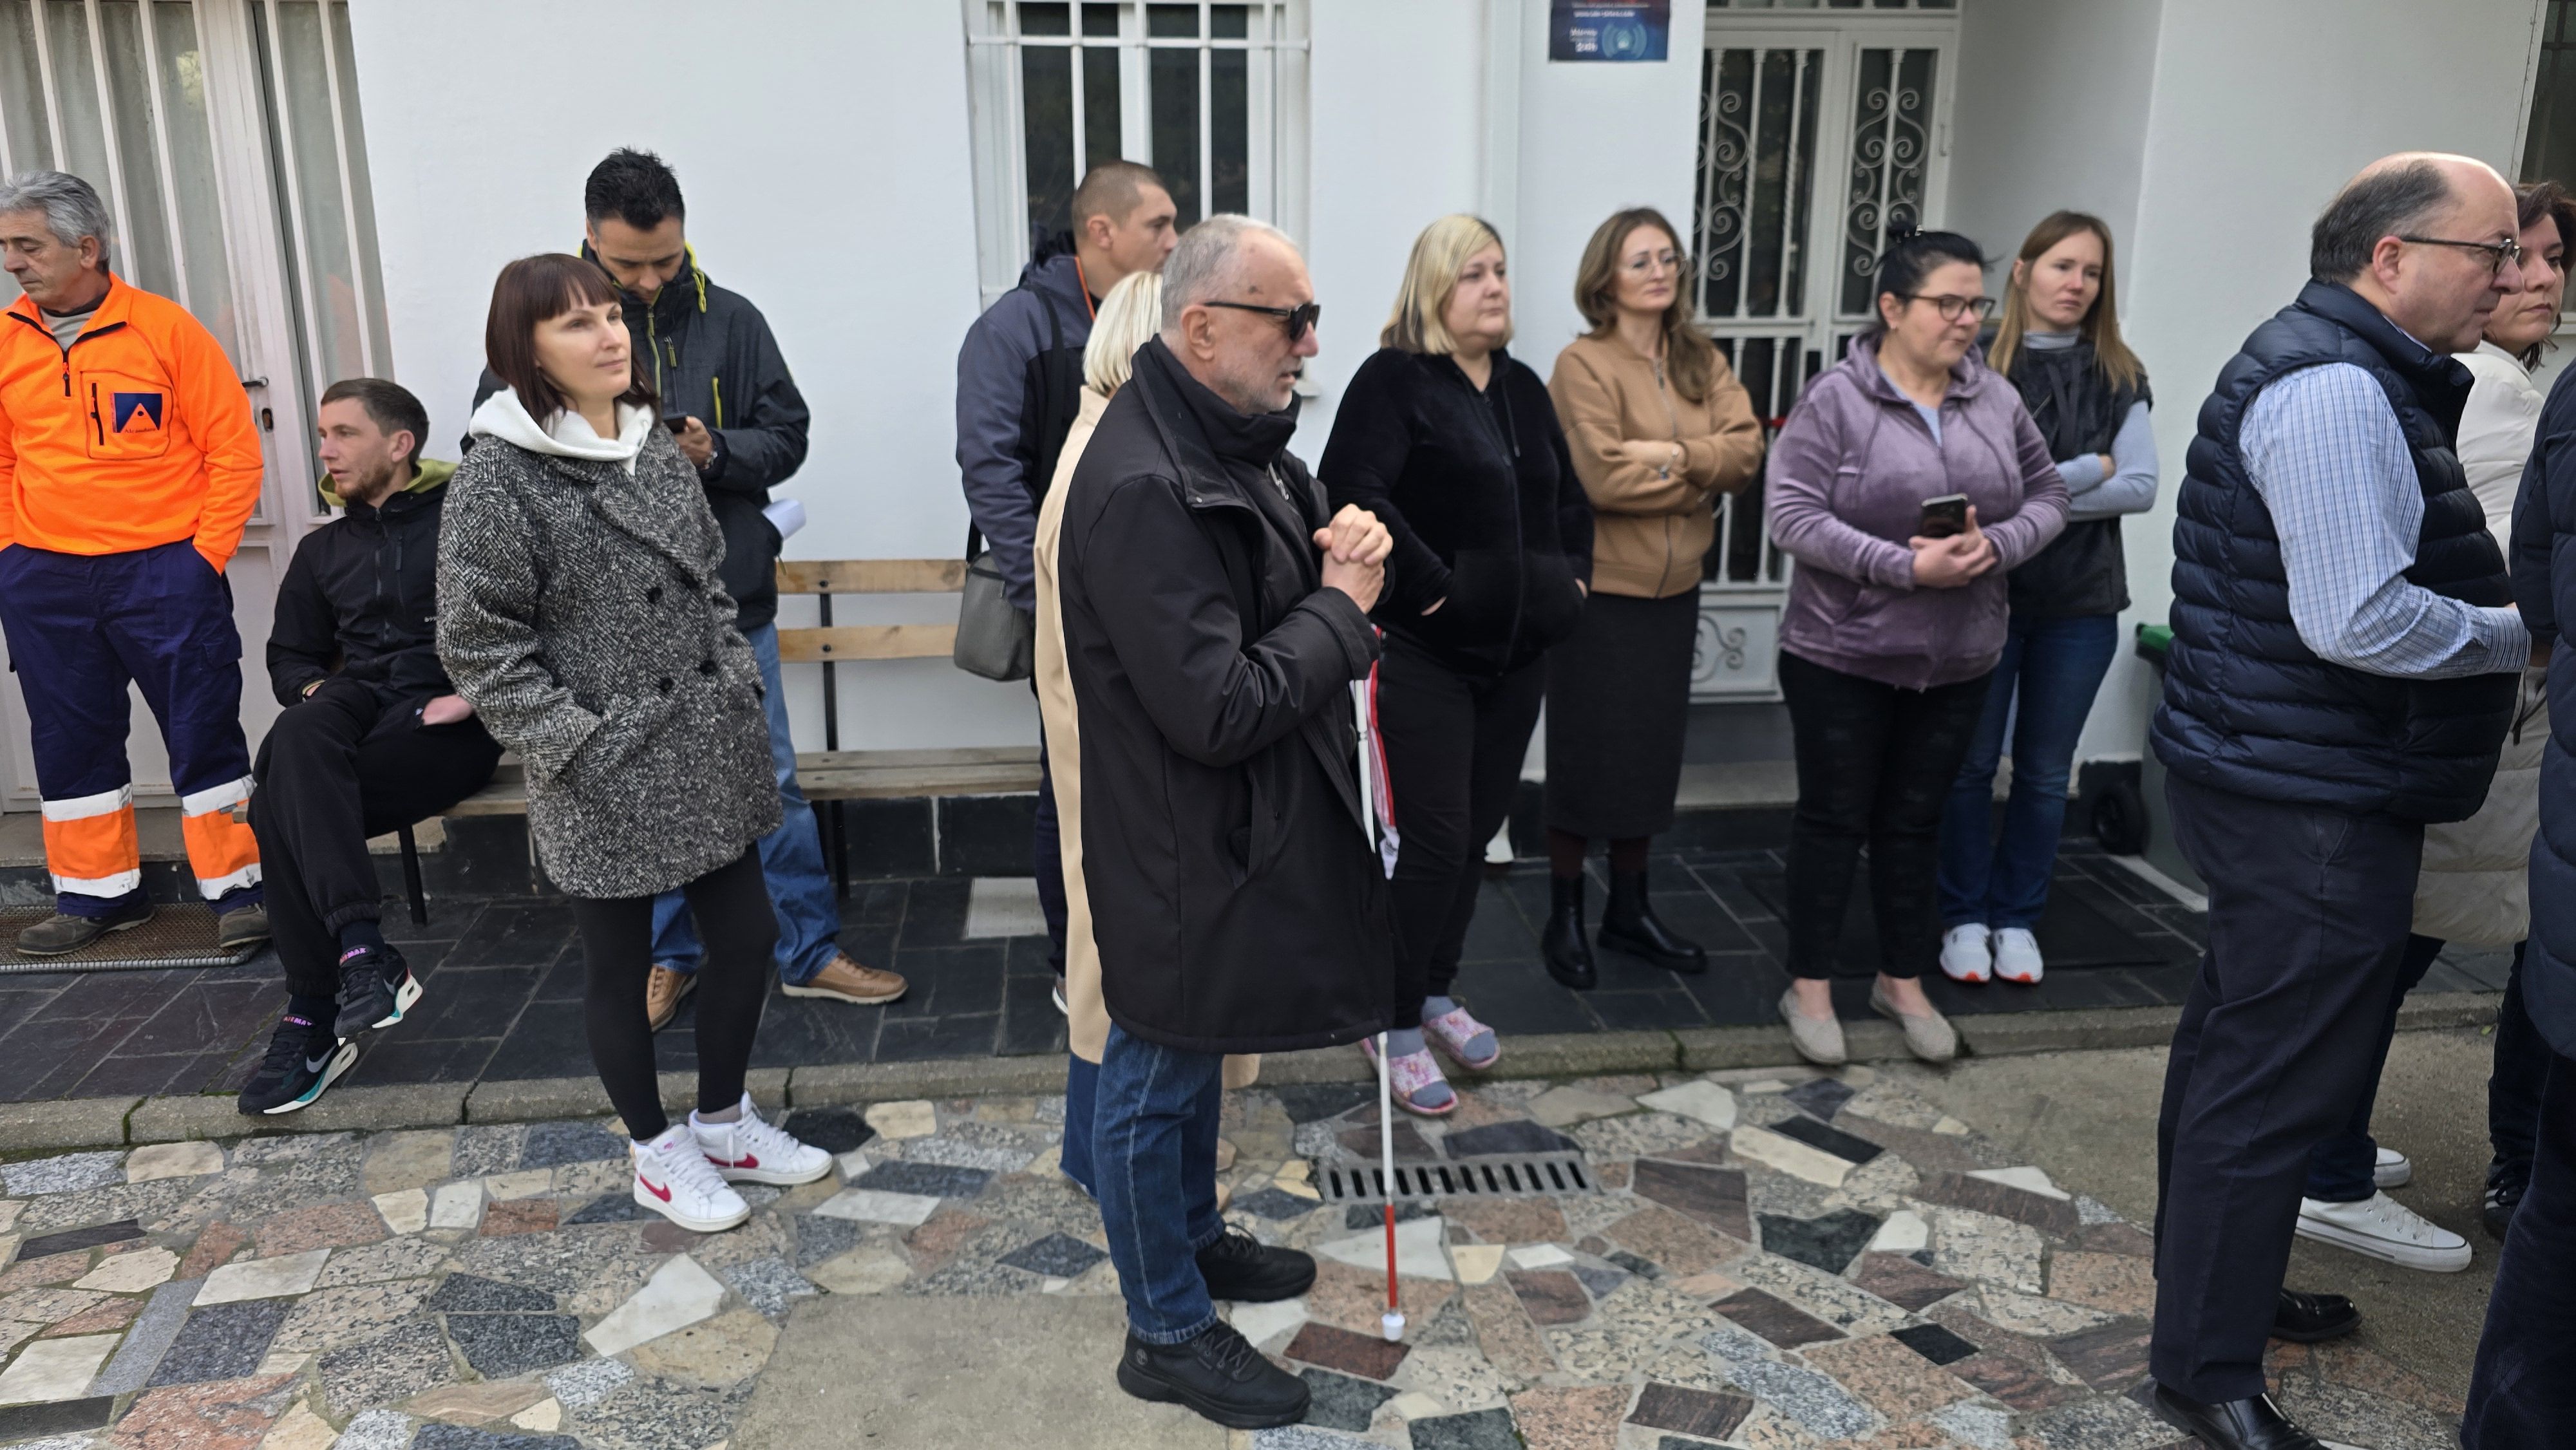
(254, 382)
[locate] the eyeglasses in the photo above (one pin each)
(2498, 253)
(1299, 320)
(1951, 306)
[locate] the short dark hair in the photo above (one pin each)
(533, 290)
(2375, 204)
(637, 187)
(1111, 189)
(2532, 202)
(1910, 257)
(389, 406)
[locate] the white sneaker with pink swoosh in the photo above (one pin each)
(674, 1179)
(748, 1150)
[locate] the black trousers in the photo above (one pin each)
(2514, 1089)
(2308, 916)
(735, 921)
(1875, 766)
(2523, 1396)
(1454, 746)
(337, 768)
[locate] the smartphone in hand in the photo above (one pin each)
(676, 422)
(1944, 517)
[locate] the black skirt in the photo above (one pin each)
(1618, 702)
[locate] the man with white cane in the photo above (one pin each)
(1214, 616)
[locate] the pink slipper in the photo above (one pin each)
(1455, 1031)
(1408, 1074)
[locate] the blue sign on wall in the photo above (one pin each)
(1608, 29)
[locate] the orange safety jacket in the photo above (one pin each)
(136, 435)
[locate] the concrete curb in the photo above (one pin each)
(115, 1122)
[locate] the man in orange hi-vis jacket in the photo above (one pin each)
(128, 465)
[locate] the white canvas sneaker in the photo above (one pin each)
(1966, 954)
(675, 1180)
(748, 1150)
(2017, 956)
(2393, 1170)
(2380, 1227)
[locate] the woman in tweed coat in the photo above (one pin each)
(580, 613)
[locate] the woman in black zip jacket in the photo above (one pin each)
(1456, 447)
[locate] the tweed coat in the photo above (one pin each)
(580, 612)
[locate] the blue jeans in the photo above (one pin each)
(800, 886)
(1154, 1159)
(1081, 1110)
(2341, 1165)
(2050, 669)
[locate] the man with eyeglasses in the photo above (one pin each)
(2343, 673)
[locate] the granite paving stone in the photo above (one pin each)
(286, 1275)
(1935, 1342)
(1517, 1136)
(1307, 1437)
(2112, 1283)
(467, 1437)
(1275, 1204)
(54, 1369)
(1714, 1196)
(2052, 1215)
(1570, 1417)
(232, 1415)
(680, 1293)
(1790, 1156)
(46, 1246)
(221, 1342)
(1814, 1134)
(1903, 1282)
(501, 1346)
(1775, 1319)
(2031, 1314)
(2108, 1423)
(326, 1226)
(1479, 1430)
(1888, 1376)
(925, 1180)
(2112, 1357)
(589, 1383)
(522, 1216)
(97, 1319)
(1827, 1243)
(1059, 1256)
(1550, 1296)
(1600, 1280)
(131, 1272)
(1821, 1096)
(59, 1268)
(1364, 1355)
(550, 1144)
(394, 1366)
(768, 1285)
(1342, 1402)
(151, 1336)
(834, 1130)
(403, 1258)
(1708, 1414)
(1507, 1220)
(474, 1294)
(67, 1173)
(55, 1417)
(2016, 1382)
(1815, 1402)
(328, 1319)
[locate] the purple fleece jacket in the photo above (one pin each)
(1844, 489)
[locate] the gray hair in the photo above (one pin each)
(1206, 260)
(2382, 202)
(71, 206)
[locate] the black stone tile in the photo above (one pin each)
(458, 1061)
(1826, 1243)
(1820, 1097)
(1833, 1140)
(1642, 1268)
(949, 981)
(1599, 1280)
(619, 1207)
(439, 1435)
(1701, 917)
(566, 979)
(449, 918)
(1480, 1430)
(886, 838)
(127, 996)
(502, 1345)
(80, 1238)
(986, 835)
(2192, 926)
(205, 1017)
(810, 1031)
(1646, 1011)
(1276, 1205)
(1740, 989)
(511, 934)
(874, 903)
(1520, 1135)
(1313, 1102)
(919, 1040)
(934, 913)
(1057, 1256)
(477, 1002)
(1725, 882)
(1934, 1342)
(45, 1059)
(62, 1417)
(1342, 1402)
(551, 1145)
(178, 1072)
(834, 1130)
(1028, 956)
(1031, 1026)
(931, 1180)
(221, 1342)
(1498, 932)
(549, 1040)
(473, 1294)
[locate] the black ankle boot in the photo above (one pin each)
(1629, 924)
(1563, 943)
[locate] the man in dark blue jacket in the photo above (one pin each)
(1019, 386)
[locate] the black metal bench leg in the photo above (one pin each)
(411, 876)
(841, 849)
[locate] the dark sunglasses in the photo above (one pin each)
(1299, 320)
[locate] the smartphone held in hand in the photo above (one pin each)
(1944, 517)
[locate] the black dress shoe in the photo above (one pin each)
(2313, 1318)
(1563, 943)
(2255, 1424)
(1219, 1374)
(1629, 924)
(1244, 1270)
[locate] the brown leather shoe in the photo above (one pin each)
(844, 980)
(662, 993)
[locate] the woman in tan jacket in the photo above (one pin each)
(1659, 427)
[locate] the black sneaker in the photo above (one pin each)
(1243, 1269)
(376, 989)
(2313, 1318)
(2503, 1197)
(303, 1060)
(1220, 1375)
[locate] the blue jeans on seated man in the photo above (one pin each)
(1153, 1146)
(800, 885)
(2340, 1166)
(2043, 687)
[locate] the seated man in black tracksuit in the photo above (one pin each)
(374, 737)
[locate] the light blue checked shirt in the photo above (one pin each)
(2323, 448)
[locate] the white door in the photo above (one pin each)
(1814, 139)
(243, 198)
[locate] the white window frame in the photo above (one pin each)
(1276, 81)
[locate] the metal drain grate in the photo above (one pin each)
(1520, 1175)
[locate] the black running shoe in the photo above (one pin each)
(304, 1058)
(376, 989)
(1217, 1374)
(1244, 1270)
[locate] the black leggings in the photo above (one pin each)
(1875, 764)
(739, 928)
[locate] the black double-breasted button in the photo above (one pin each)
(706, 667)
(668, 684)
(653, 595)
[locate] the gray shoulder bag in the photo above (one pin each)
(995, 638)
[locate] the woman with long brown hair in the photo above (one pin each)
(2058, 342)
(1658, 427)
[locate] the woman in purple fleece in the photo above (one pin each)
(1889, 635)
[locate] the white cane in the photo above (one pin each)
(1393, 1321)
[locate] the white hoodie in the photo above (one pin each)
(504, 417)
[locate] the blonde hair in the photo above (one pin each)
(1126, 320)
(1430, 277)
(2101, 324)
(1690, 358)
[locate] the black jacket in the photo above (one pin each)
(1480, 493)
(1237, 902)
(2079, 411)
(362, 593)
(710, 356)
(1019, 388)
(2544, 589)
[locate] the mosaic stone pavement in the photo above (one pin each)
(1769, 1261)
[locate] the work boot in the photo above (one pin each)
(243, 926)
(1563, 942)
(1219, 1374)
(61, 935)
(1629, 924)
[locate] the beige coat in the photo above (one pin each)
(2474, 889)
(1651, 528)
(1089, 1017)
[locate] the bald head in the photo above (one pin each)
(2412, 192)
(2420, 236)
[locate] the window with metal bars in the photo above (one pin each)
(2549, 142)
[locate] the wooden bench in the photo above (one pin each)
(830, 775)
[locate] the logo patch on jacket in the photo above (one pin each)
(129, 407)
